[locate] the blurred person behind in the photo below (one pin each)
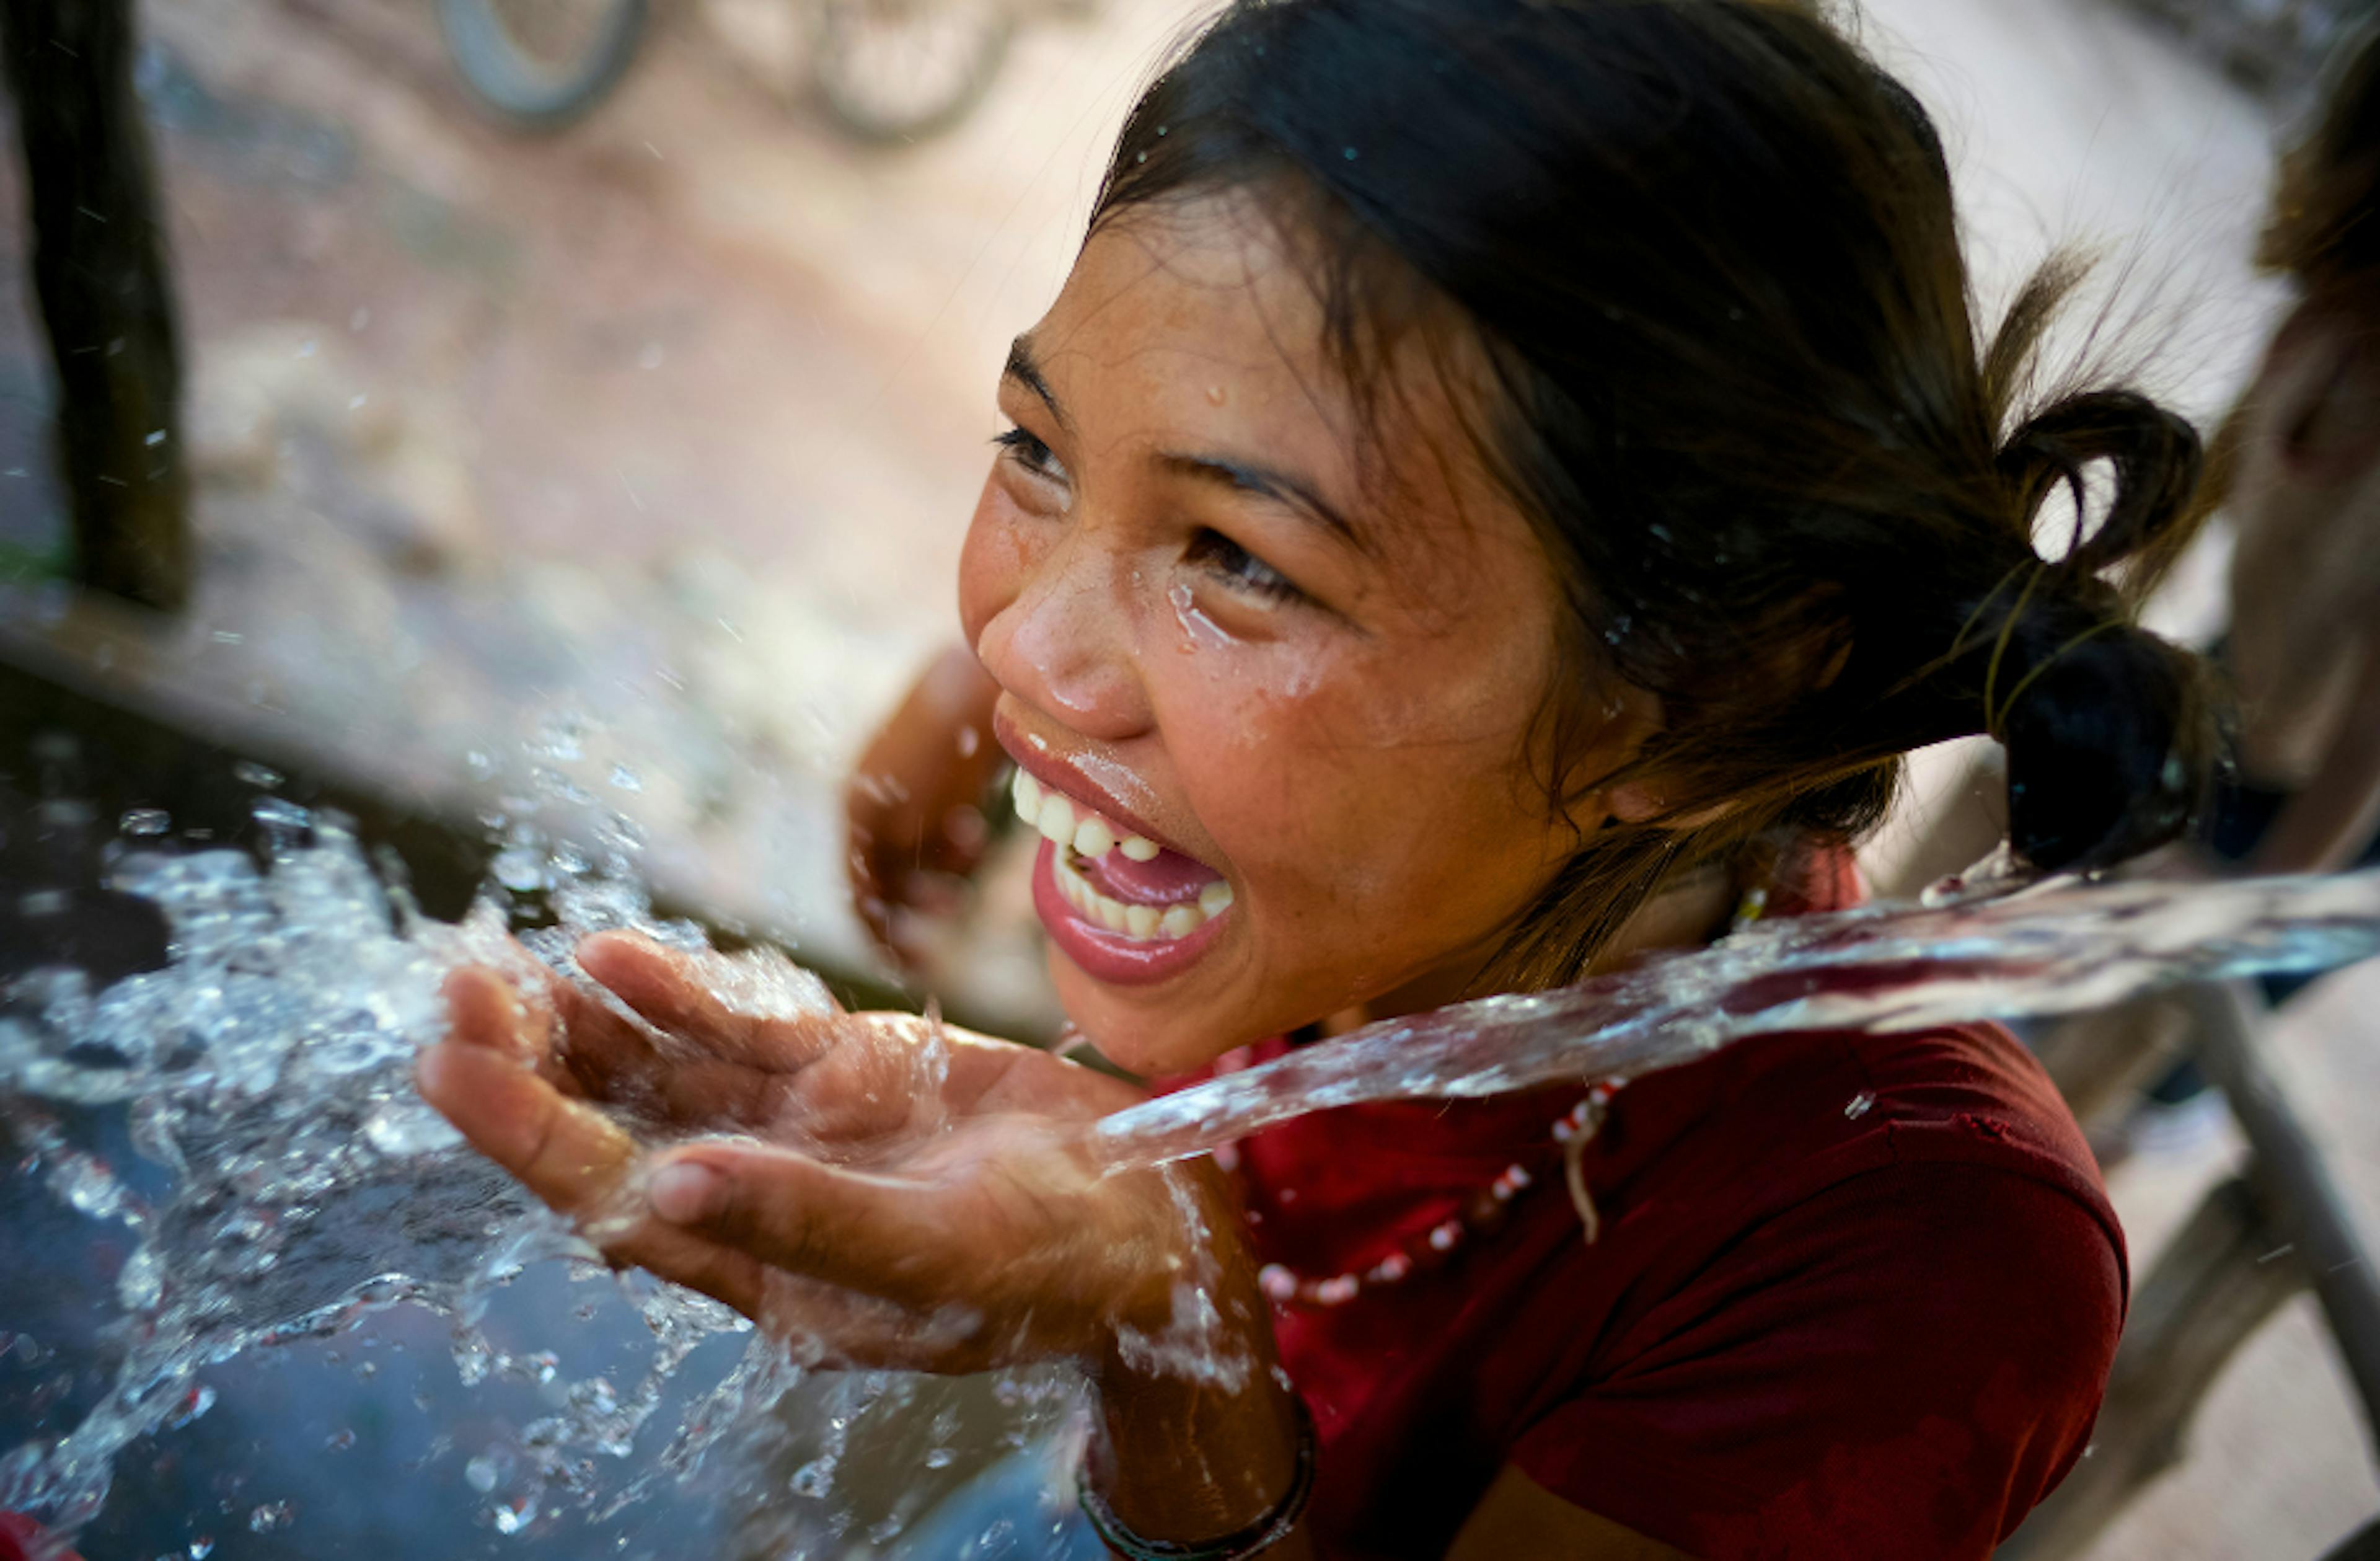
(2304, 493)
(2295, 468)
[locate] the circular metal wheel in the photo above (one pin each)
(541, 63)
(899, 70)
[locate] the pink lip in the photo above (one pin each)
(1111, 956)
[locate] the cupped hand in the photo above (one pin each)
(895, 1192)
(913, 807)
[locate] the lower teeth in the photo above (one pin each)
(1145, 923)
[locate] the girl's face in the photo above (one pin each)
(1271, 682)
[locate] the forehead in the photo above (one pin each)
(1196, 296)
(1203, 319)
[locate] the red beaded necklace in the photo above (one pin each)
(1435, 1248)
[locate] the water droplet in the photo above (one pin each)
(280, 814)
(408, 1126)
(144, 820)
(481, 1473)
(202, 1547)
(195, 1403)
(270, 1517)
(519, 868)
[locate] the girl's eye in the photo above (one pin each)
(1031, 453)
(1242, 569)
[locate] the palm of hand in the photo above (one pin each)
(900, 1192)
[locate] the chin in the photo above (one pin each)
(1151, 1034)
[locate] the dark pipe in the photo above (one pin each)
(99, 270)
(2303, 1200)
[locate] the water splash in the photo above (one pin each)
(279, 1182)
(262, 1080)
(1974, 952)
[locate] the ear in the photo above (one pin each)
(1632, 717)
(1640, 801)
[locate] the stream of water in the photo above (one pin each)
(241, 1121)
(1968, 953)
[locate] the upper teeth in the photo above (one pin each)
(1092, 837)
(1057, 817)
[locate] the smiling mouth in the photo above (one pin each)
(1125, 883)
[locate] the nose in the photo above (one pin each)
(1064, 644)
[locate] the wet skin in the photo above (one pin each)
(1219, 608)
(1304, 652)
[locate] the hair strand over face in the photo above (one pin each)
(1710, 252)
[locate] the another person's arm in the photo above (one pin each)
(911, 807)
(2327, 822)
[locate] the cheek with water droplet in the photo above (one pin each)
(1199, 632)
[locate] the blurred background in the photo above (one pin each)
(611, 440)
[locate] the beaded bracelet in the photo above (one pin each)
(1251, 1541)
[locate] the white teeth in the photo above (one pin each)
(1056, 816)
(1142, 922)
(1093, 838)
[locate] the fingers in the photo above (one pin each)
(586, 1168)
(531, 1013)
(886, 1237)
(771, 1016)
(487, 1011)
(567, 1152)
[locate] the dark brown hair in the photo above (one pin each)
(1710, 251)
(2322, 229)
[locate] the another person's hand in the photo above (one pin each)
(913, 805)
(895, 1192)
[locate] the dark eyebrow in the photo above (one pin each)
(1282, 489)
(1025, 370)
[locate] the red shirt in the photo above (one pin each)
(1853, 1294)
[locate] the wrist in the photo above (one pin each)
(1275, 1524)
(1199, 1433)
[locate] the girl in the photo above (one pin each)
(1501, 487)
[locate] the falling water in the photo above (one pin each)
(295, 1188)
(2061, 947)
(287, 1187)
